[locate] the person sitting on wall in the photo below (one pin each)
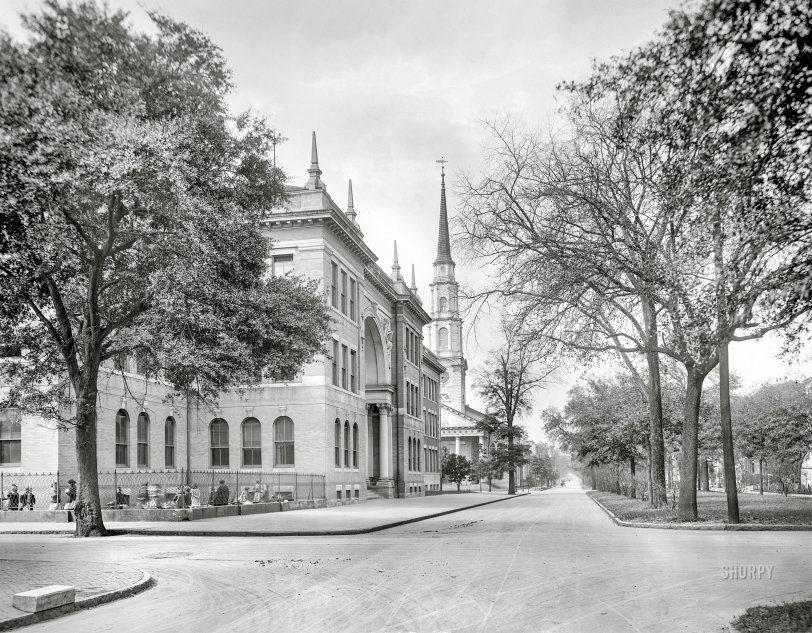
(260, 492)
(194, 495)
(179, 501)
(13, 498)
(247, 497)
(122, 499)
(27, 500)
(220, 496)
(143, 496)
(70, 493)
(54, 494)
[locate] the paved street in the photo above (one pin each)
(551, 561)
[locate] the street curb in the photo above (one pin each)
(369, 530)
(83, 603)
(718, 527)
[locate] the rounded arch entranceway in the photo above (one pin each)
(374, 357)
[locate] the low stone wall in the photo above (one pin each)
(162, 514)
(35, 516)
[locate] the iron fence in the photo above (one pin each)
(164, 489)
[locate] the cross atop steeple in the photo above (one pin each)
(443, 242)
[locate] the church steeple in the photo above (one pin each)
(443, 242)
(445, 330)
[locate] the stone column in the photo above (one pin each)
(457, 445)
(385, 442)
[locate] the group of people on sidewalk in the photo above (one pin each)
(25, 501)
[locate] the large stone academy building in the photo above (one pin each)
(367, 417)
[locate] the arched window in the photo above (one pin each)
(169, 442)
(338, 442)
(251, 443)
(122, 443)
(143, 440)
(442, 339)
(355, 446)
(443, 304)
(411, 455)
(10, 437)
(218, 435)
(283, 441)
(346, 444)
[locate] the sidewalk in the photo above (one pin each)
(95, 584)
(360, 518)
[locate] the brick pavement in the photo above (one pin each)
(90, 579)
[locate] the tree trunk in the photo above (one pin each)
(87, 511)
(594, 478)
(704, 474)
(655, 408)
(512, 471)
(686, 508)
(632, 490)
(727, 435)
(760, 476)
(724, 371)
(648, 468)
(458, 486)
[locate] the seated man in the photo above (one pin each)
(220, 497)
(247, 497)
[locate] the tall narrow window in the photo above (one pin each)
(408, 398)
(335, 363)
(122, 443)
(344, 359)
(355, 446)
(10, 437)
(338, 442)
(443, 304)
(418, 455)
(352, 299)
(353, 367)
(282, 265)
(141, 361)
(283, 442)
(343, 292)
(410, 453)
(143, 440)
(346, 444)
(442, 339)
(169, 443)
(251, 443)
(219, 443)
(334, 286)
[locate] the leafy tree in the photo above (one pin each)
(456, 468)
(775, 423)
(506, 385)
(132, 202)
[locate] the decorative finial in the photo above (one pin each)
(395, 266)
(442, 163)
(314, 182)
(413, 287)
(350, 204)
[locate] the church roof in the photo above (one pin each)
(443, 241)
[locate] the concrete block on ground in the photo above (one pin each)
(44, 598)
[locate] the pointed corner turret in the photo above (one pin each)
(314, 182)
(396, 276)
(351, 205)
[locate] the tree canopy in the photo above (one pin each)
(132, 202)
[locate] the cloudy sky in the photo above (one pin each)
(390, 87)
